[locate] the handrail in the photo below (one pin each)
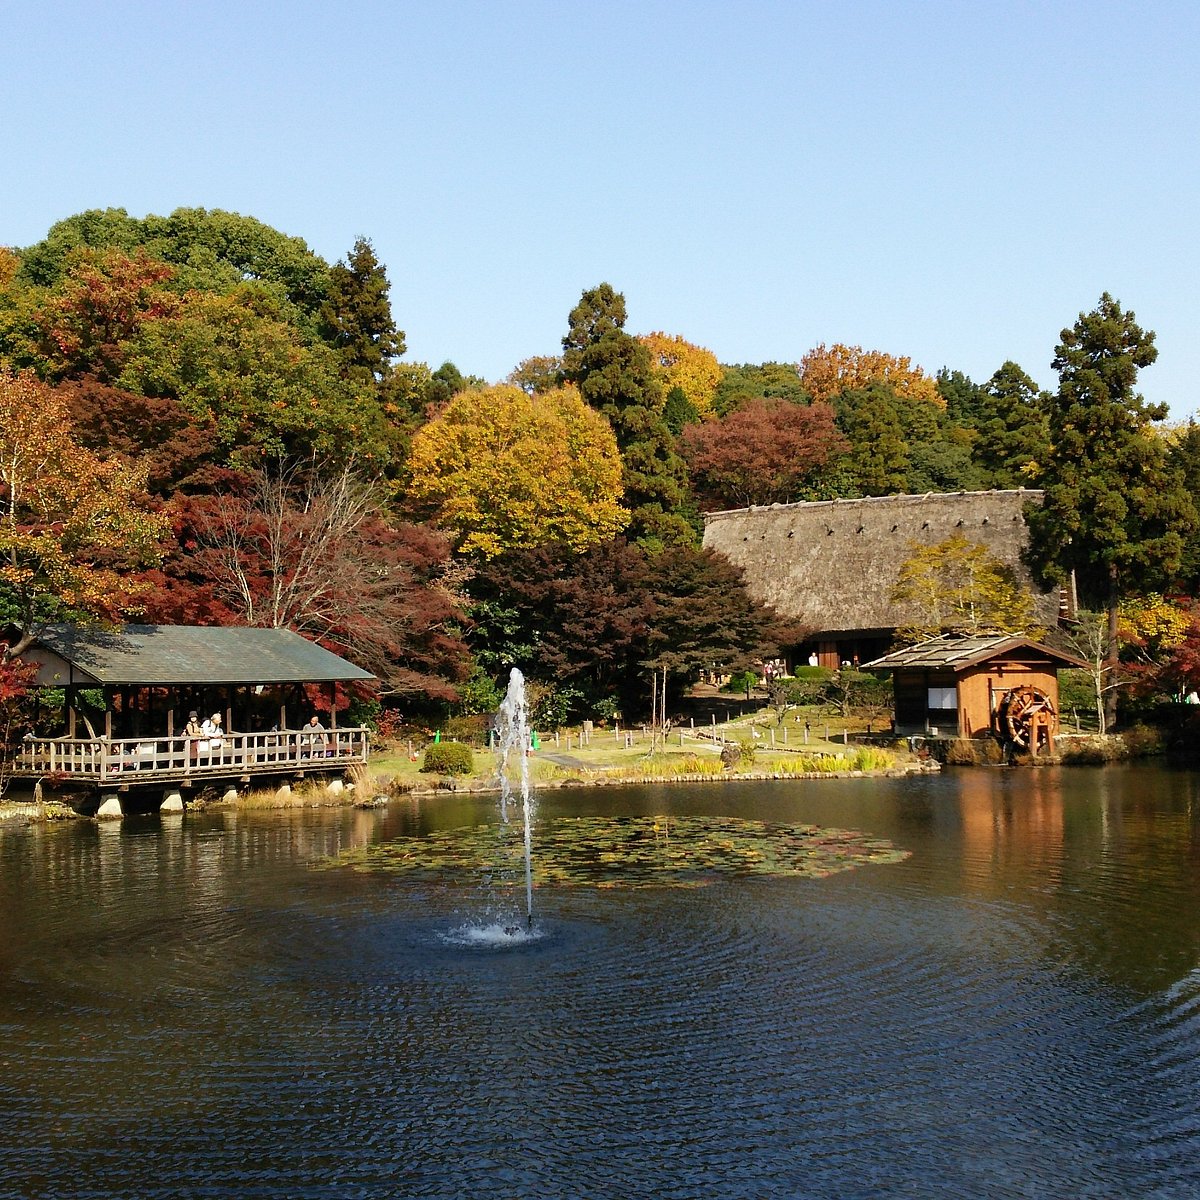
(285, 749)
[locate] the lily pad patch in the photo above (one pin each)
(632, 852)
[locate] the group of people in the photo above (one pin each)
(207, 736)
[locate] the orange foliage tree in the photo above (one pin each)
(679, 364)
(825, 371)
(71, 524)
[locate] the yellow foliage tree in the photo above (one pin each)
(71, 524)
(680, 364)
(827, 370)
(505, 470)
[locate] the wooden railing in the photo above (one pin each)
(149, 758)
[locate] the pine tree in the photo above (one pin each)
(1113, 511)
(358, 316)
(615, 375)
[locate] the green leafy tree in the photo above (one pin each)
(757, 381)
(616, 376)
(1184, 459)
(878, 460)
(1113, 512)
(964, 399)
(208, 249)
(233, 361)
(1012, 435)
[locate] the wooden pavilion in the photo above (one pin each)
(142, 681)
(971, 686)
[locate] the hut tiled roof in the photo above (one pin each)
(161, 655)
(955, 652)
(831, 565)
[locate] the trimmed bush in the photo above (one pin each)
(448, 758)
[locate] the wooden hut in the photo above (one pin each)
(971, 686)
(830, 566)
(142, 681)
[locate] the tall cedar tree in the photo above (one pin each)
(1113, 511)
(358, 316)
(616, 376)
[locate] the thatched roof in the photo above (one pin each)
(957, 653)
(831, 566)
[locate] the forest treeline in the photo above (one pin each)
(204, 422)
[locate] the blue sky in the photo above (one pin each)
(950, 181)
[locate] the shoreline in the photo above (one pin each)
(31, 811)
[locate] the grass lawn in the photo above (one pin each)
(635, 753)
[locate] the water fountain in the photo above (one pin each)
(512, 741)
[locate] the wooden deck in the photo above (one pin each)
(126, 762)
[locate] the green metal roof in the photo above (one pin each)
(191, 654)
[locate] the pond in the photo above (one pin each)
(1008, 1006)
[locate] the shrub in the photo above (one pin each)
(1142, 741)
(731, 755)
(471, 729)
(1095, 750)
(448, 758)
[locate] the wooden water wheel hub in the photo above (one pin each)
(1026, 717)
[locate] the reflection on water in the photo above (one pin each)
(187, 1009)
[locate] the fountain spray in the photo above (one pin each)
(512, 730)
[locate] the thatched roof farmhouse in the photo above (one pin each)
(831, 566)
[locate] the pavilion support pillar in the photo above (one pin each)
(172, 801)
(110, 808)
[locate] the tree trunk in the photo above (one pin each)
(1111, 650)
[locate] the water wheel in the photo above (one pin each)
(1025, 718)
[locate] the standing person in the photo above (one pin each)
(194, 731)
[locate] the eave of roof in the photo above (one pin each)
(162, 655)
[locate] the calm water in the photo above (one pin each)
(187, 1009)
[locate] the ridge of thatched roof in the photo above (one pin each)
(831, 565)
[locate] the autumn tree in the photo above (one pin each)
(826, 371)
(503, 469)
(1113, 512)
(314, 551)
(690, 368)
(615, 376)
(72, 525)
(604, 621)
(765, 452)
(957, 586)
(104, 300)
